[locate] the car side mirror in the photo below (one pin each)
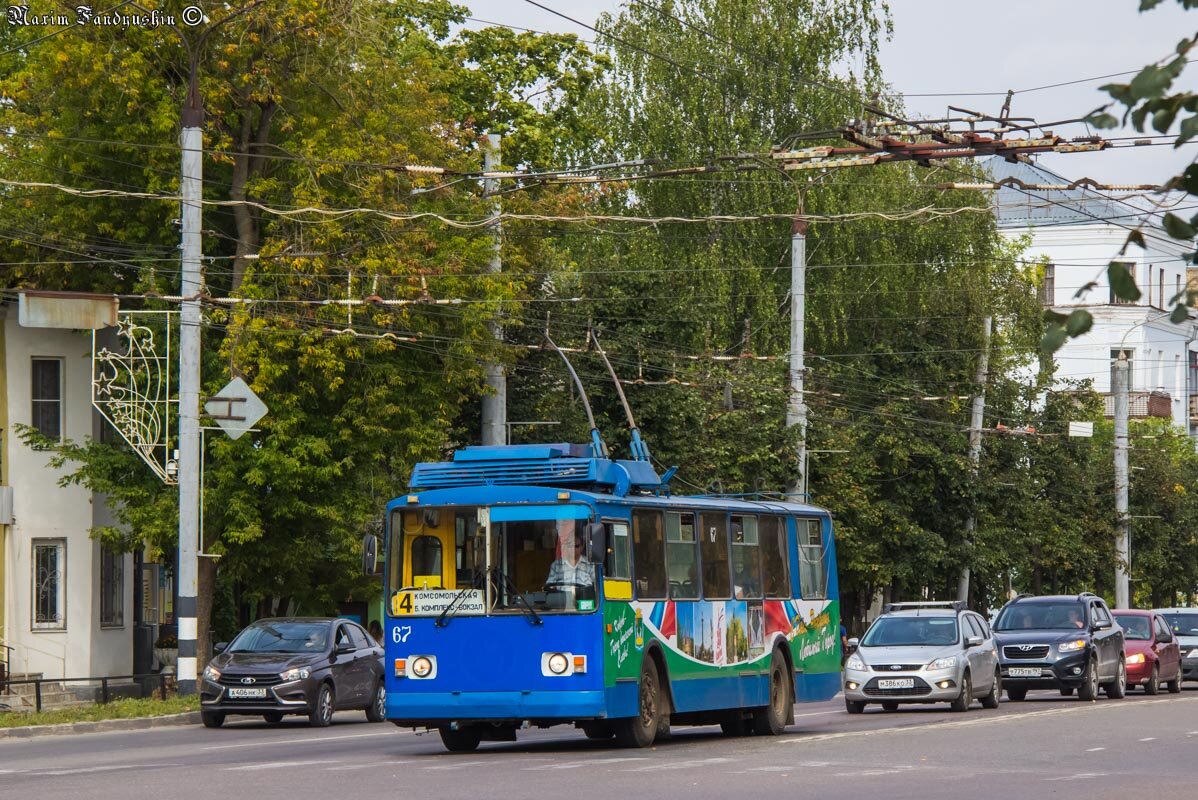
(345, 647)
(596, 543)
(854, 643)
(370, 554)
(973, 641)
(1163, 639)
(1100, 625)
(220, 647)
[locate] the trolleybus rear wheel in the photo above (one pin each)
(641, 730)
(771, 720)
(462, 740)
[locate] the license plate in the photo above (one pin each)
(1024, 672)
(243, 692)
(896, 683)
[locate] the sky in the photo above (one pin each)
(973, 46)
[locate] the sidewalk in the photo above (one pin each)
(100, 726)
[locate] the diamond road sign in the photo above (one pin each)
(235, 408)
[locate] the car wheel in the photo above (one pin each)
(1117, 689)
(1016, 693)
(1066, 691)
(1154, 681)
(463, 740)
(991, 700)
(641, 730)
(854, 706)
(771, 720)
(212, 720)
(321, 714)
(1175, 684)
(273, 717)
(890, 706)
(1089, 688)
(377, 711)
(965, 699)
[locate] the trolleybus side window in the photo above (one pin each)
(682, 556)
(648, 554)
(713, 550)
(618, 564)
(812, 578)
(746, 558)
(467, 547)
(775, 556)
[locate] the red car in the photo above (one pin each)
(1152, 653)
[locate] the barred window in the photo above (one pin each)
(49, 584)
(112, 588)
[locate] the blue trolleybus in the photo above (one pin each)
(540, 585)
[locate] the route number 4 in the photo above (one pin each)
(400, 633)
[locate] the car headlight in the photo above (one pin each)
(1138, 658)
(1071, 647)
(295, 674)
(943, 663)
(856, 662)
(211, 673)
(421, 667)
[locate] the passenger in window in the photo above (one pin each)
(1075, 618)
(744, 582)
(572, 567)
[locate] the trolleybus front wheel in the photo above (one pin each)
(462, 740)
(641, 730)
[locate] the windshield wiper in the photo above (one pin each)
(443, 619)
(530, 612)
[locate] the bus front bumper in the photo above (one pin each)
(437, 708)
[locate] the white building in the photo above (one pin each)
(1078, 232)
(66, 602)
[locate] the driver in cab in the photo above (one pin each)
(572, 567)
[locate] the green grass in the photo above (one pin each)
(117, 709)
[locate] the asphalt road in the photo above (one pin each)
(1047, 746)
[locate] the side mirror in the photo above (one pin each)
(1164, 639)
(345, 647)
(854, 643)
(220, 647)
(596, 543)
(973, 641)
(1101, 625)
(370, 554)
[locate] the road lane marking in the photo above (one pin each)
(105, 768)
(1095, 749)
(1149, 739)
(820, 713)
(457, 764)
(278, 742)
(1078, 776)
(689, 763)
(277, 765)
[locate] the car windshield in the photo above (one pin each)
(1067, 615)
(1182, 624)
(282, 637)
(1134, 626)
(911, 631)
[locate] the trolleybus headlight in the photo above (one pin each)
(421, 667)
(558, 663)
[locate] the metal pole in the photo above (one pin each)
(191, 183)
(975, 447)
(1122, 544)
(495, 400)
(796, 409)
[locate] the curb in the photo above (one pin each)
(101, 726)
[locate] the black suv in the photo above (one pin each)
(1063, 642)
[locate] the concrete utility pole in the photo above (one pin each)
(495, 400)
(976, 415)
(796, 409)
(187, 572)
(1122, 522)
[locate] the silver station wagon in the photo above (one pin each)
(923, 653)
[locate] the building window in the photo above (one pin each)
(112, 588)
(47, 397)
(1130, 371)
(1160, 290)
(1131, 269)
(49, 584)
(1048, 290)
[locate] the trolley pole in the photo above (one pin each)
(1122, 521)
(975, 449)
(796, 409)
(191, 183)
(494, 406)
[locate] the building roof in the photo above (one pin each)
(1081, 206)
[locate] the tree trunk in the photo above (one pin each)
(248, 158)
